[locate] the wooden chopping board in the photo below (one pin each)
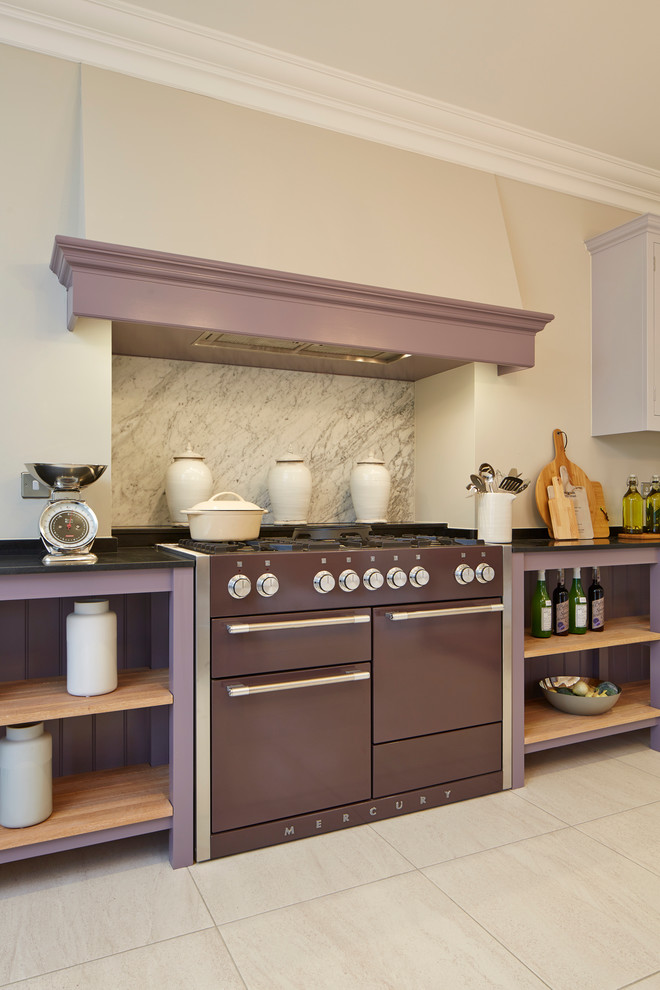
(577, 477)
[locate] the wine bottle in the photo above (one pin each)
(541, 609)
(633, 508)
(560, 607)
(653, 506)
(577, 605)
(596, 603)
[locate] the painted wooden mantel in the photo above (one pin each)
(157, 289)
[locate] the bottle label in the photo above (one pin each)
(598, 613)
(546, 618)
(561, 618)
(581, 614)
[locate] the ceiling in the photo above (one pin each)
(561, 94)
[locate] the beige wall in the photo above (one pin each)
(183, 173)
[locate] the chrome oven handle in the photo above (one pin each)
(240, 690)
(436, 613)
(342, 620)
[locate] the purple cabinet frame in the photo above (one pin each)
(578, 557)
(177, 583)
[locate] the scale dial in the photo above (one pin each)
(68, 525)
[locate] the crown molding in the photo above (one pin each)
(121, 37)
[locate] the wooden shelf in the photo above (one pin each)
(545, 724)
(92, 802)
(41, 699)
(617, 632)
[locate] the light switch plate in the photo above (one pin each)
(31, 488)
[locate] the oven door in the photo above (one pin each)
(289, 743)
(436, 667)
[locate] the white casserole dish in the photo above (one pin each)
(225, 516)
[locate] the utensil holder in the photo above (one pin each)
(494, 515)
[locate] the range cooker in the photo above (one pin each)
(343, 676)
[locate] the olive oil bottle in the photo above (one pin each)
(653, 506)
(633, 508)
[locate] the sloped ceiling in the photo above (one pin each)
(561, 95)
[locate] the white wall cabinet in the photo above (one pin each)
(625, 371)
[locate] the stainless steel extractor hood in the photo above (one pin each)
(192, 309)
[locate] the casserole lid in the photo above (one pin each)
(232, 503)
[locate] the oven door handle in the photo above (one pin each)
(342, 620)
(437, 613)
(240, 690)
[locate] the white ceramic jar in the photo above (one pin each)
(370, 485)
(290, 489)
(91, 649)
(188, 480)
(26, 775)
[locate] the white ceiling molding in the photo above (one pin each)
(121, 37)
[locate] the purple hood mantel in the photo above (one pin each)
(191, 309)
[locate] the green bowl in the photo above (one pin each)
(573, 704)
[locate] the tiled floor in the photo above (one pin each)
(553, 885)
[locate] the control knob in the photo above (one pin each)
(485, 573)
(373, 579)
(419, 577)
(349, 580)
(239, 586)
(267, 585)
(324, 582)
(396, 578)
(464, 574)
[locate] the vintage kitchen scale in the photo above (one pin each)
(67, 525)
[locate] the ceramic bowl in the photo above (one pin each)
(573, 704)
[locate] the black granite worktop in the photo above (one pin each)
(130, 558)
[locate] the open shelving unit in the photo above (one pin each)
(536, 725)
(121, 800)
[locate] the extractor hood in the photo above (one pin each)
(192, 309)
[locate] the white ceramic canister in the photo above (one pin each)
(188, 480)
(290, 489)
(494, 516)
(370, 489)
(91, 649)
(26, 775)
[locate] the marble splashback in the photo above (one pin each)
(241, 420)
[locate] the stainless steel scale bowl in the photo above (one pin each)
(67, 525)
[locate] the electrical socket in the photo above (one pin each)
(31, 488)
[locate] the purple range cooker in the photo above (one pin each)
(344, 675)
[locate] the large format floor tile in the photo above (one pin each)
(591, 791)
(239, 886)
(634, 833)
(85, 918)
(402, 934)
(191, 962)
(466, 827)
(576, 913)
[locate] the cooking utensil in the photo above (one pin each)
(512, 484)
(478, 483)
(553, 470)
(224, 518)
(487, 475)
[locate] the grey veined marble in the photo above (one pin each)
(241, 420)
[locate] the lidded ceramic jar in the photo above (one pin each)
(26, 775)
(91, 649)
(187, 482)
(290, 489)
(370, 489)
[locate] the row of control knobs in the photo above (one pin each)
(268, 585)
